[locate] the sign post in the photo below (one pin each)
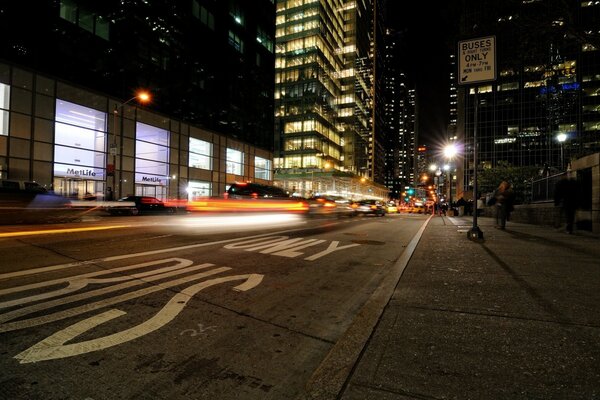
(476, 64)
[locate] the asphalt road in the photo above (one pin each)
(188, 306)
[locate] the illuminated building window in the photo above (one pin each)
(205, 16)
(197, 189)
(262, 168)
(236, 42)
(200, 154)
(96, 24)
(151, 155)
(80, 140)
(4, 106)
(236, 13)
(264, 39)
(234, 162)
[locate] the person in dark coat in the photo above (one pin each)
(566, 196)
(504, 201)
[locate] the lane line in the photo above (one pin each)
(51, 268)
(65, 230)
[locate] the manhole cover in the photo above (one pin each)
(373, 242)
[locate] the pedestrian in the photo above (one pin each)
(504, 202)
(566, 195)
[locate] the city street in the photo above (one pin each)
(186, 307)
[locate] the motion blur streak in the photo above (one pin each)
(49, 231)
(240, 205)
(243, 222)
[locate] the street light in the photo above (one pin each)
(142, 97)
(561, 137)
(450, 151)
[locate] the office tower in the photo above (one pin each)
(398, 100)
(543, 108)
(70, 71)
(325, 54)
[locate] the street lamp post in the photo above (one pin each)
(561, 137)
(142, 97)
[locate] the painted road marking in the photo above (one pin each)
(80, 281)
(59, 315)
(58, 267)
(54, 346)
(285, 247)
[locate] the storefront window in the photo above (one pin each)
(4, 106)
(197, 189)
(151, 155)
(200, 154)
(262, 168)
(234, 162)
(80, 141)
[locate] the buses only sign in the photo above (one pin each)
(477, 60)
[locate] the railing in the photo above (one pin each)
(542, 190)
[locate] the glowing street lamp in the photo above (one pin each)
(143, 97)
(561, 137)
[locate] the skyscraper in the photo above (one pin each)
(544, 107)
(324, 88)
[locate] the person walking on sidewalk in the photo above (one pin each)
(504, 203)
(566, 195)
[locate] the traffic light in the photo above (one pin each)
(410, 191)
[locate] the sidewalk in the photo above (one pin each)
(516, 316)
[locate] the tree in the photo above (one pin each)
(520, 178)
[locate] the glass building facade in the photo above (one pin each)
(544, 107)
(324, 88)
(208, 63)
(69, 140)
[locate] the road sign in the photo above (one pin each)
(477, 60)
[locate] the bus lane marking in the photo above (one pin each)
(80, 281)
(54, 347)
(283, 246)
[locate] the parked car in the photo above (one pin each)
(134, 205)
(367, 207)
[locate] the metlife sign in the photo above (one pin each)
(477, 60)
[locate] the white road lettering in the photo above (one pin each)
(332, 247)
(285, 247)
(54, 346)
(27, 323)
(80, 281)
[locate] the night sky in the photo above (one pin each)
(429, 31)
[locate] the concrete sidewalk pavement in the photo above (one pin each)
(515, 316)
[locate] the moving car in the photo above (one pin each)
(391, 207)
(250, 197)
(367, 207)
(247, 190)
(134, 205)
(330, 206)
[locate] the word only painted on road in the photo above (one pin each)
(102, 290)
(283, 246)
